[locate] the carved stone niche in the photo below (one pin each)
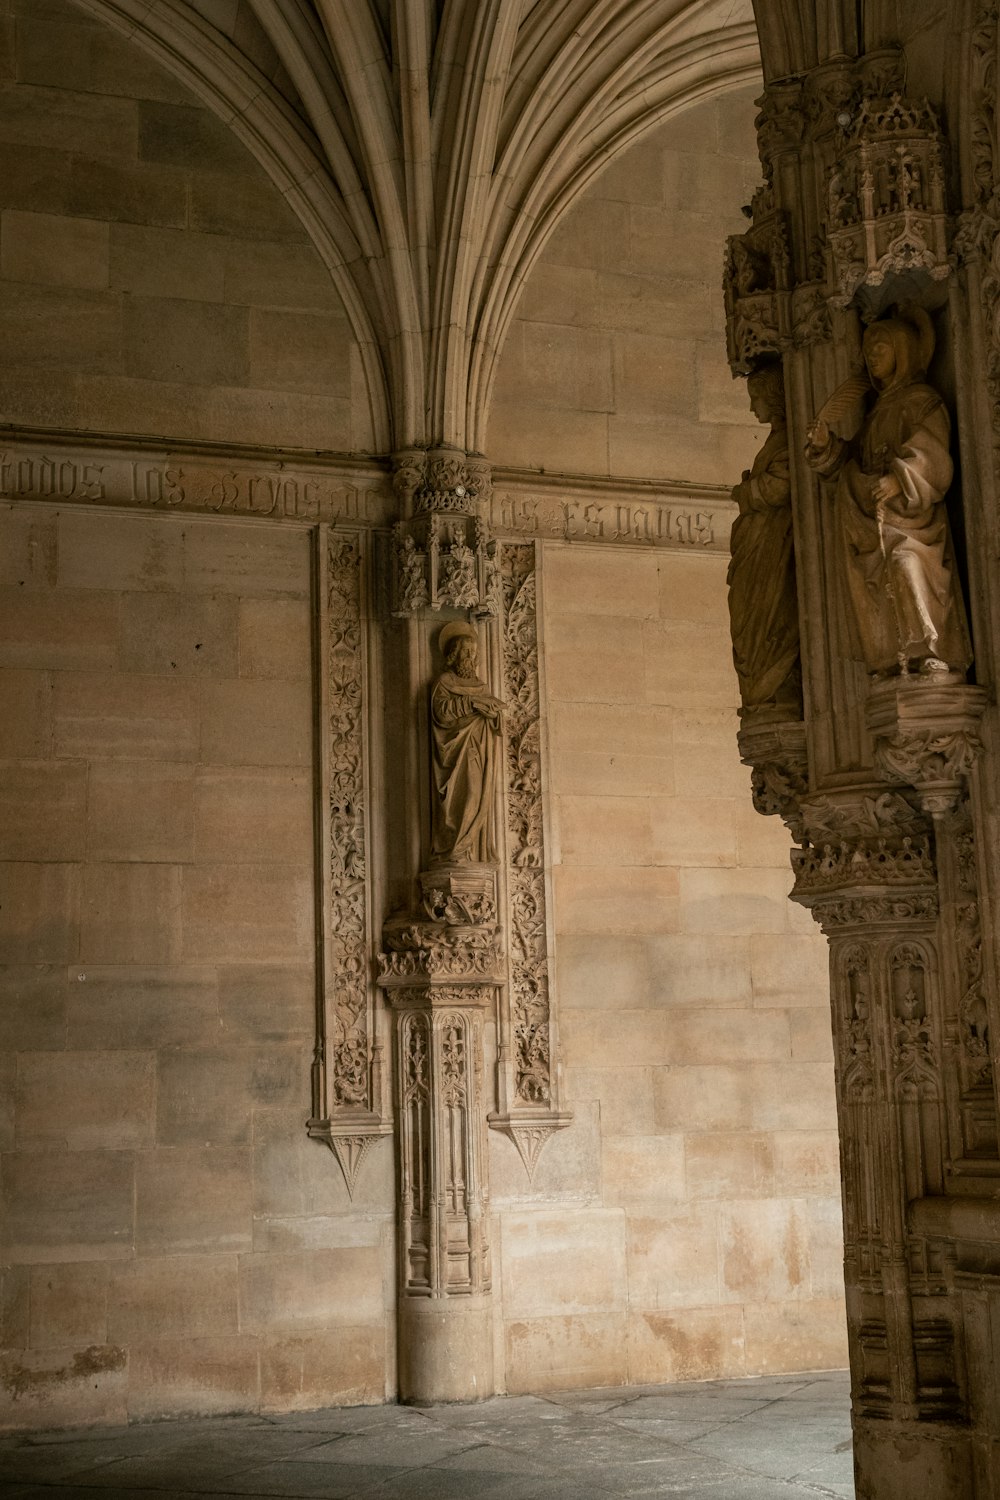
(886, 211)
(775, 750)
(926, 736)
(756, 282)
(444, 555)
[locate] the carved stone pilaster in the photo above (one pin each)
(528, 1076)
(347, 1083)
(441, 977)
(444, 555)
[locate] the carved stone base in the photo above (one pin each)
(445, 1351)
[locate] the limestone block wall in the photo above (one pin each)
(170, 1240)
(689, 1224)
(152, 280)
(615, 362)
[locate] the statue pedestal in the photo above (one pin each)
(457, 893)
(926, 733)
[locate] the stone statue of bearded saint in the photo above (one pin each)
(763, 607)
(465, 722)
(892, 477)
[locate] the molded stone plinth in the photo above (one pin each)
(445, 1350)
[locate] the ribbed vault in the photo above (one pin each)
(430, 147)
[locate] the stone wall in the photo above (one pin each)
(152, 280)
(705, 1238)
(171, 1240)
(705, 1235)
(616, 360)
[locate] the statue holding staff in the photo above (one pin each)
(892, 470)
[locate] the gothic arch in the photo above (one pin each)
(432, 157)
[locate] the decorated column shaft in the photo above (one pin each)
(464, 963)
(846, 283)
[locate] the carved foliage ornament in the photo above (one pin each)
(347, 1085)
(525, 874)
(527, 1081)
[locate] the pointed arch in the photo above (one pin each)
(287, 150)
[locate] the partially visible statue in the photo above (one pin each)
(892, 477)
(465, 722)
(763, 608)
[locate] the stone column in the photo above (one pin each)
(441, 976)
(884, 783)
(441, 961)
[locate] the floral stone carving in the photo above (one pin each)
(347, 1083)
(527, 1076)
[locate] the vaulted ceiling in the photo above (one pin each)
(431, 146)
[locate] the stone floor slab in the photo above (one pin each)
(783, 1438)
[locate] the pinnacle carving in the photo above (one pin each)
(886, 210)
(351, 1152)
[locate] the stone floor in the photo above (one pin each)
(780, 1438)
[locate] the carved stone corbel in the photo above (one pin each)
(926, 736)
(444, 555)
(775, 750)
(868, 859)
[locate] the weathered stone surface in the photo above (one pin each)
(60, 1206)
(193, 1200)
